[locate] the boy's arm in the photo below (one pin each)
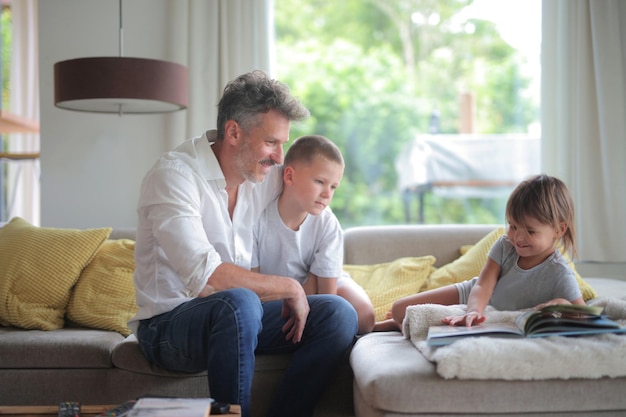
(320, 285)
(310, 285)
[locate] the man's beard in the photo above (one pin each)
(244, 163)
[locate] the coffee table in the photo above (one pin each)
(53, 410)
(49, 410)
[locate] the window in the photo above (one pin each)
(19, 138)
(434, 104)
(5, 42)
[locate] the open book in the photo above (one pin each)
(554, 320)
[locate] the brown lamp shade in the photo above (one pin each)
(120, 85)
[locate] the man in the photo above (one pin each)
(200, 306)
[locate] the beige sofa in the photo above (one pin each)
(391, 378)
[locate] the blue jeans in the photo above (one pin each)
(221, 333)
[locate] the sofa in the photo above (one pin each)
(384, 376)
(393, 379)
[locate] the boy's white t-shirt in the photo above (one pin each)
(317, 247)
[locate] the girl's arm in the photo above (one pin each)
(554, 301)
(479, 296)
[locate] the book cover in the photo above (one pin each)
(554, 320)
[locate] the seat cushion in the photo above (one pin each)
(63, 348)
(391, 374)
(127, 355)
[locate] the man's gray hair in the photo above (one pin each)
(252, 94)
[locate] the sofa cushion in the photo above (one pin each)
(38, 267)
(104, 296)
(386, 282)
(473, 258)
(588, 292)
(391, 374)
(468, 265)
(56, 349)
(128, 356)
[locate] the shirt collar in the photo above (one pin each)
(208, 164)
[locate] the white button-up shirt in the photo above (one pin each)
(184, 231)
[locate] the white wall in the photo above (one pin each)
(92, 164)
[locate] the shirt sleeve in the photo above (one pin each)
(328, 260)
(497, 251)
(172, 202)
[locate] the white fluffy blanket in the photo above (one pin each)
(554, 357)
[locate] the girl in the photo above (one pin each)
(524, 268)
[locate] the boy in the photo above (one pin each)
(299, 236)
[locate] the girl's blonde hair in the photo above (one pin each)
(548, 200)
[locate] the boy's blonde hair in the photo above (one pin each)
(546, 199)
(306, 148)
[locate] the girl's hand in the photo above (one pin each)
(468, 319)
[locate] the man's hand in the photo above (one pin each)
(295, 310)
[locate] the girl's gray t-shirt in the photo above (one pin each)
(519, 288)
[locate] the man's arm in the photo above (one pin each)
(268, 288)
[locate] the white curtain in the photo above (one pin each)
(584, 117)
(23, 195)
(223, 39)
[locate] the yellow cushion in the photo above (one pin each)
(473, 259)
(38, 268)
(465, 248)
(588, 292)
(104, 296)
(467, 266)
(386, 282)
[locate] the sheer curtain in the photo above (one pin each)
(221, 40)
(584, 117)
(23, 195)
